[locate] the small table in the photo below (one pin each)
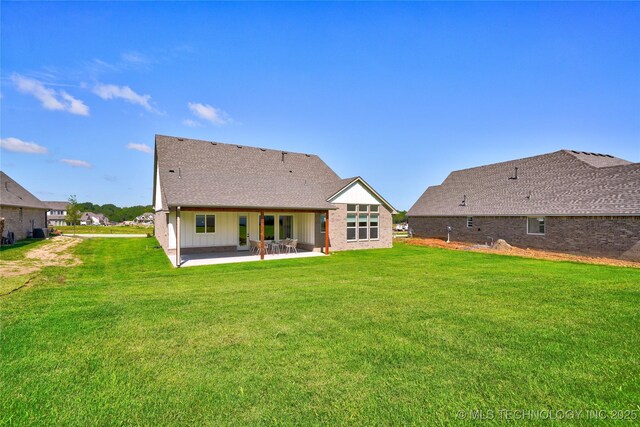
(274, 247)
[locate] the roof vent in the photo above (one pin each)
(290, 171)
(239, 146)
(607, 155)
(263, 149)
(464, 201)
(515, 176)
(574, 151)
(214, 143)
(171, 170)
(594, 154)
(584, 152)
(283, 153)
(529, 195)
(180, 139)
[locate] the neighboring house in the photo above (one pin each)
(22, 211)
(210, 196)
(90, 218)
(57, 214)
(146, 218)
(567, 201)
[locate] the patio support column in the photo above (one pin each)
(261, 234)
(178, 236)
(326, 233)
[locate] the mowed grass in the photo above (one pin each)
(405, 336)
(100, 229)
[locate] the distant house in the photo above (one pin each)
(90, 218)
(210, 197)
(22, 211)
(146, 218)
(568, 201)
(57, 213)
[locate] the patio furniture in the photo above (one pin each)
(274, 247)
(292, 246)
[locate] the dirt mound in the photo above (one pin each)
(527, 253)
(56, 252)
(501, 245)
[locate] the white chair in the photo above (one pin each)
(292, 246)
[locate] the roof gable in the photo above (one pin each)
(13, 194)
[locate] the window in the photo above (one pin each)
(363, 222)
(469, 221)
(373, 226)
(205, 224)
(286, 227)
(535, 225)
(351, 226)
(323, 223)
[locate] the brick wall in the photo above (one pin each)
(22, 226)
(616, 237)
(338, 231)
(161, 228)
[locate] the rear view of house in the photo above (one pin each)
(22, 211)
(567, 201)
(210, 197)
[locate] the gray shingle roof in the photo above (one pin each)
(213, 174)
(13, 194)
(560, 183)
(56, 206)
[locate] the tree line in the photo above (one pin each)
(111, 211)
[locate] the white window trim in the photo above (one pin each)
(325, 223)
(357, 213)
(545, 226)
(195, 224)
(470, 222)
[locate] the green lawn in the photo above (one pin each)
(409, 335)
(97, 229)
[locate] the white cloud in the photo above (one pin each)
(76, 163)
(75, 106)
(126, 93)
(50, 98)
(191, 123)
(139, 147)
(20, 146)
(207, 112)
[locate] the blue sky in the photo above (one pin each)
(398, 93)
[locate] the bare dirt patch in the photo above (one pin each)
(57, 252)
(504, 248)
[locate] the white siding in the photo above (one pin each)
(171, 230)
(304, 227)
(356, 193)
(226, 230)
(157, 204)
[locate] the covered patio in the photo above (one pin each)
(244, 234)
(215, 258)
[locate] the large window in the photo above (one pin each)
(363, 222)
(286, 227)
(205, 224)
(535, 225)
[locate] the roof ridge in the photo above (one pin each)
(226, 144)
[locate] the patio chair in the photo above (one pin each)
(254, 247)
(292, 246)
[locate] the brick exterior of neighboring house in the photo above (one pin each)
(589, 204)
(21, 210)
(615, 237)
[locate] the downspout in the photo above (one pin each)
(326, 234)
